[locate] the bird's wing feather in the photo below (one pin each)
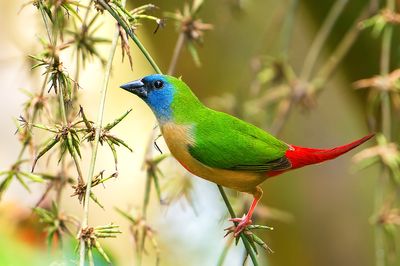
(223, 141)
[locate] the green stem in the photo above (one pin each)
(384, 71)
(98, 127)
(129, 31)
(246, 243)
(320, 39)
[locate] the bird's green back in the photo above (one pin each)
(223, 141)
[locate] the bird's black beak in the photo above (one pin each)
(136, 87)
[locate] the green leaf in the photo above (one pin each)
(72, 10)
(126, 215)
(114, 152)
(196, 5)
(32, 177)
(160, 158)
(22, 181)
(6, 183)
(101, 251)
(116, 121)
(118, 141)
(50, 143)
(157, 185)
(94, 198)
(75, 142)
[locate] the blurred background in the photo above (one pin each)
(320, 214)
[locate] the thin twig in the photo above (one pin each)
(309, 63)
(98, 127)
(246, 243)
(69, 138)
(320, 39)
(328, 69)
(128, 30)
(177, 51)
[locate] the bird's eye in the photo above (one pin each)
(158, 84)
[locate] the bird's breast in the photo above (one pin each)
(180, 137)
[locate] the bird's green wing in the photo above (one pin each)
(223, 141)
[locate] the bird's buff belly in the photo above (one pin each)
(178, 139)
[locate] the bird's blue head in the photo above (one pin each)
(157, 91)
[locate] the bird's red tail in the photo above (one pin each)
(300, 156)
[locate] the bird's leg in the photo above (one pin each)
(246, 219)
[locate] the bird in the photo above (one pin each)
(219, 147)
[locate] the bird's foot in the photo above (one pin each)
(240, 225)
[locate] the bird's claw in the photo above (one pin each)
(240, 225)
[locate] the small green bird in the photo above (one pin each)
(219, 147)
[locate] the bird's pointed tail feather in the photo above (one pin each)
(301, 156)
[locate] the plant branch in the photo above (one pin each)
(177, 51)
(340, 52)
(69, 138)
(320, 39)
(98, 128)
(384, 71)
(287, 28)
(131, 34)
(233, 215)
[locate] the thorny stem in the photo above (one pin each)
(96, 142)
(380, 252)
(177, 51)
(320, 39)
(69, 139)
(233, 215)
